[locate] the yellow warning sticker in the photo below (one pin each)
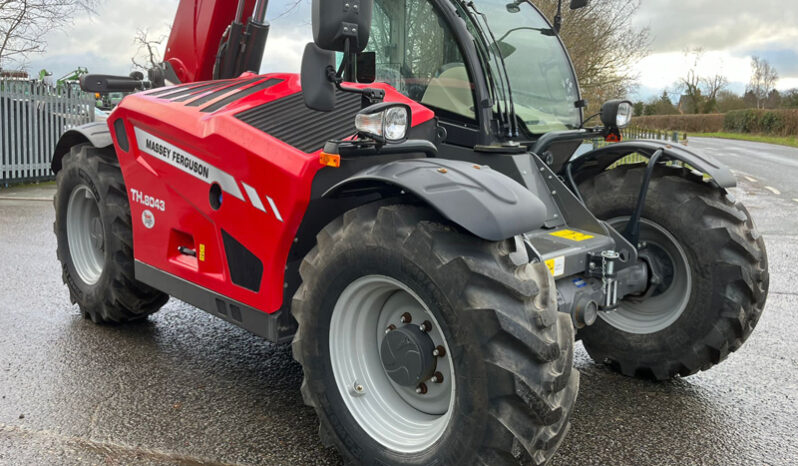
(556, 266)
(202, 253)
(571, 235)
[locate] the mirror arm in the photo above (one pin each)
(370, 95)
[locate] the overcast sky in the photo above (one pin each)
(730, 31)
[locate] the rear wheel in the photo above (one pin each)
(95, 239)
(424, 345)
(709, 275)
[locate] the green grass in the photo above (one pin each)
(790, 141)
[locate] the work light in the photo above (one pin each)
(385, 122)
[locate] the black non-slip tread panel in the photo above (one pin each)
(169, 89)
(291, 121)
(244, 93)
(220, 92)
(188, 93)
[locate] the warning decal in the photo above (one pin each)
(556, 266)
(572, 235)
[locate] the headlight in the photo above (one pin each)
(617, 113)
(384, 122)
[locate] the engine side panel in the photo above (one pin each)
(187, 141)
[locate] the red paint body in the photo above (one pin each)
(196, 33)
(274, 168)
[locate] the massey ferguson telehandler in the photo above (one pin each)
(410, 214)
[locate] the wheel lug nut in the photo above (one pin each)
(439, 352)
(421, 389)
(425, 327)
(437, 378)
(390, 329)
(406, 318)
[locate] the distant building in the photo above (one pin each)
(14, 74)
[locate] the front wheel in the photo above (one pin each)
(709, 275)
(424, 345)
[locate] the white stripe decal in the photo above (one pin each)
(254, 197)
(274, 209)
(186, 162)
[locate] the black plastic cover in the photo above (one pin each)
(336, 20)
(594, 162)
(485, 202)
(246, 270)
(318, 90)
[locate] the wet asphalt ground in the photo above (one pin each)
(187, 388)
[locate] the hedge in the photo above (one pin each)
(709, 123)
(768, 122)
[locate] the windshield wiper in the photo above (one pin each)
(508, 117)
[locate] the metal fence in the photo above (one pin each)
(32, 118)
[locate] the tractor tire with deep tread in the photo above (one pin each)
(512, 351)
(728, 267)
(115, 296)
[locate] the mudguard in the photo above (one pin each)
(485, 202)
(96, 134)
(594, 162)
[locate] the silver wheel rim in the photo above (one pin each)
(658, 312)
(85, 235)
(397, 417)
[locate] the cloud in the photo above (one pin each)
(729, 31)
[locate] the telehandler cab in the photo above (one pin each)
(409, 213)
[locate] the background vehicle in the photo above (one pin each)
(431, 270)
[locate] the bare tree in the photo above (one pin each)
(151, 50)
(604, 45)
(690, 83)
(713, 85)
(23, 24)
(763, 80)
(700, 91)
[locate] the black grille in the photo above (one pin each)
(186, 94)
(292, 122)
(220, 92)
(239, 95)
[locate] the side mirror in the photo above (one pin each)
(366, 67)
(317, 89)
(334, 21)
(577, 4)
(617, 114)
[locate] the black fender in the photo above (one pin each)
(594, 162)
(483, 201)
(96, 134)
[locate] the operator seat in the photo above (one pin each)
(451, 91)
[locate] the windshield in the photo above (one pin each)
(544, 87)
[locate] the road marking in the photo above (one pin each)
(773, 190)
(795, 199)
(751, 179)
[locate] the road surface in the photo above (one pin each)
(186, 388)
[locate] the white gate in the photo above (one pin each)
(33, 116)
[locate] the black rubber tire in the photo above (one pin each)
(512, 350)
(117, 297)
(728, 263)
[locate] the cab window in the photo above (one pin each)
(417, 54)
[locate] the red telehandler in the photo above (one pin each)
(409, 213)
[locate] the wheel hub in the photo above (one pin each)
(97, 234)
(85, 235)
(407, 355)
